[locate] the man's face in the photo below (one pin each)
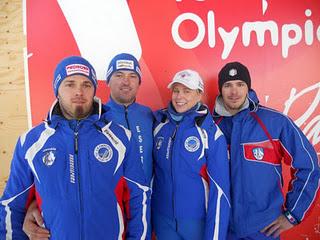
(75, 95)
(124, 86)
(234, 94)
(184, 98)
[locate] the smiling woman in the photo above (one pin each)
(187, 90)
(189, 152)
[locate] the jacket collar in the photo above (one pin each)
(251, 103)
(55, 116)
(120, 107)
(197, 116)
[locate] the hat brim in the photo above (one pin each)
(170, 85)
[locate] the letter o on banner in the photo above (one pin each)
(175, 30)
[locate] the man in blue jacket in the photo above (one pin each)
(92, 189)
(123, 78)
(260, 140)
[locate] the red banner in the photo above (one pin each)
(279, 41)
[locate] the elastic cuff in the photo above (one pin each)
(290, 218)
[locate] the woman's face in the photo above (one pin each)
(184, 98)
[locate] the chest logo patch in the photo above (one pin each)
(103, 152)
(192, 144)
(48, 157)
(258, 153)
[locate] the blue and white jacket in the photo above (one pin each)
(261, 140)
(86, 176)
(139, 120)
(191, 171)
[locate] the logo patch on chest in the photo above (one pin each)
(103, 152)
(192, 144)
(48, 156)
(258, 153)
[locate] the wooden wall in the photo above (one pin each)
(13, 114)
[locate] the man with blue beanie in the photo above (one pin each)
(81, 68)
(83, 169)
(123, 61)
(124, 78)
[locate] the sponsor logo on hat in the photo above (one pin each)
(233, 72)
(184, 74)
(192, 144)
(258, 153)
(77, 68)
(48, 156)
(103, 152)
(125, 64)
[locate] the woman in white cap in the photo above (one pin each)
(191, 171)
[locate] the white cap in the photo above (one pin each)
(189, 78)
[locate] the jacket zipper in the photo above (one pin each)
(172, 175)
(79, 183)
(236, 125)
(126, 117)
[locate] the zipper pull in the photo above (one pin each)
(126, 117)
(76, 142)
(175, 132)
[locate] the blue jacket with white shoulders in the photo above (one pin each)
(139, 120)
(191, 179)
(86, 176)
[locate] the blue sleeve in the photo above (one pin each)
(300, 155)
(219, 188)
(13, 203)
(138, 199)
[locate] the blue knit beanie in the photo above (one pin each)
(72, 66)
(123, 61)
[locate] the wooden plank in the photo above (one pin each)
(13, 115)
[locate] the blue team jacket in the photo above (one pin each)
(256, 171)
(87, 178)
(191, 179)
(139, 120)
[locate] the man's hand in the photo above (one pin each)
(276, 227)
(33, 223)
